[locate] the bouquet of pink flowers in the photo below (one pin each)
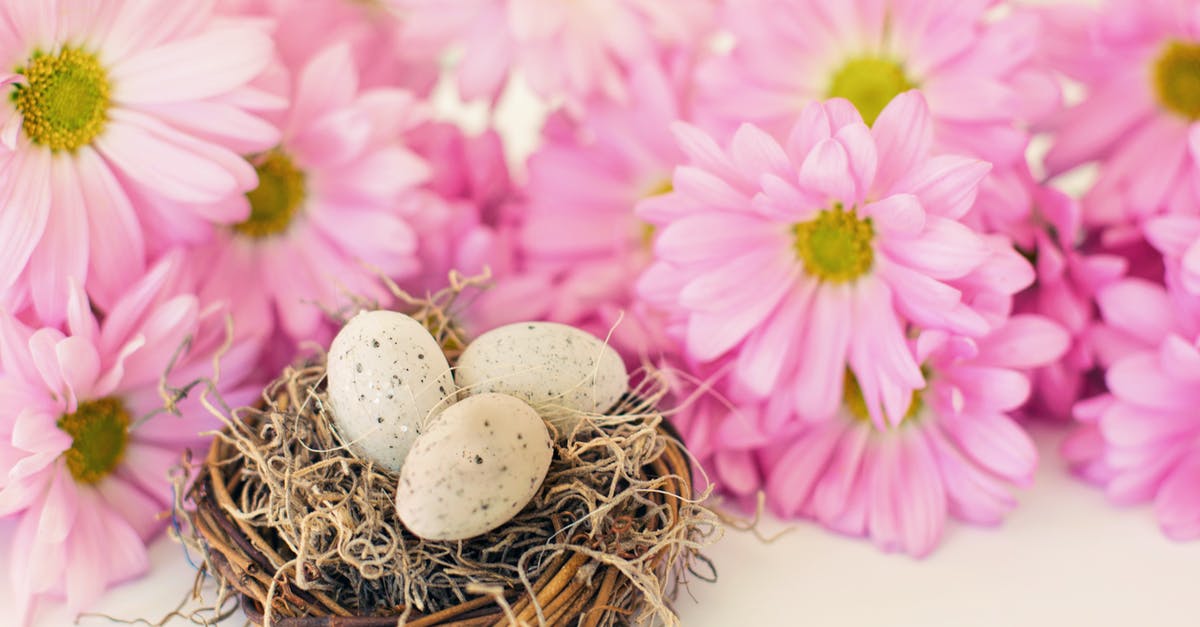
(866, 240)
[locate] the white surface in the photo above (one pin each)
(1064, 558)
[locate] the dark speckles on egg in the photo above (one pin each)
(366, 382)
(487, 479)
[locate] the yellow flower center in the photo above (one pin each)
(99, 433)
(852, 399)
(869, 83)
(836, 245)
(64, 100)
(1177, 78)
(277, 199)
(647, 231)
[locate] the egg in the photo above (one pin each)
(476, 467)
(558, 369)
(387, 379)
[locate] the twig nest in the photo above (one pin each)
(475, 467)
(388, 379)
(561, 371)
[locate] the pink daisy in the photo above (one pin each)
(332, 212)
(721, 426)
(1068, 279)
(111, 100)
(84, 450)
(1140, 64)
(468, 210)
(1143, 322)
(799, 261)
(1142, 440)
(957, 451)
(576, 49)
(580, 239)
(385, 59)
(977, 73)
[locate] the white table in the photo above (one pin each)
(1065, 558)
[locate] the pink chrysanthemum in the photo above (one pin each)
(577, 49)
(383, 57)
(957, 451)
(1141, 441)
(1139, 62)
(110, 100)
(802, 260)
(466, 215)
(85, 452)
(581, 244)
(1141, 319)
(977, 73)
(1068, 279)
(330, 214)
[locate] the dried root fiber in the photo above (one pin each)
(307, 534)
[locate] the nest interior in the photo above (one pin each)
(307, 533)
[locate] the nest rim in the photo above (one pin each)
(250, 565)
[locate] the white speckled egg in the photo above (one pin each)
(558, 369)
(387, 378)
(475, 468)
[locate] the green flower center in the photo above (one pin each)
(99, 433)
(1177, 78)
(869, 83)
(64, 100)
(277, 199)
(836, 245)
(852, 399)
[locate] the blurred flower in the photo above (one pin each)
(332, 212)
(574, 49)
(383, 56)
(801, 261)
(1069, 274)
(581, 245)
(1139, 62)
(1127, 441)
(1142, 440)
(84, 450)
(112, 100)
(467, 213)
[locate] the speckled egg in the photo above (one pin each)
(387, 378)
(475, 468)
(558, 369)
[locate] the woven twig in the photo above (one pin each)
(307, 533)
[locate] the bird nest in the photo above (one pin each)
(306, 533)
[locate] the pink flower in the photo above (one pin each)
(333, 209)
(957, 451)
(467, 214)
(383, 57)
(1068, 279)
(113, 102)
(1145, 325)
(977, 73)
(581, 245)
(574, 49)
(799, 261)
(1137, 61)
(1142, 441)
(84, 450)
